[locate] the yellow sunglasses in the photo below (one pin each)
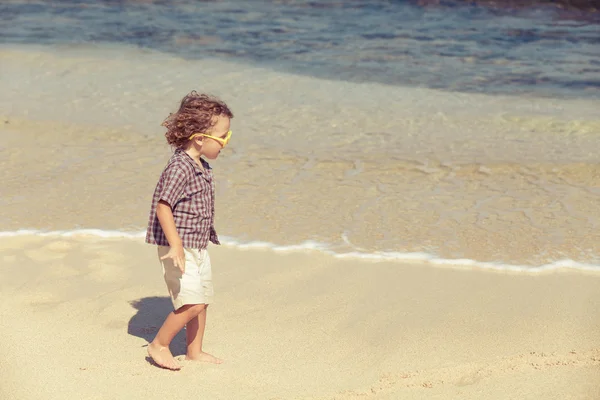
(222, 142)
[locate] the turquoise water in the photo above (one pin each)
(536, 51)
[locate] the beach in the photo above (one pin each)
(380, 240)
(417, 173)
(77, 313)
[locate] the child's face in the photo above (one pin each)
(210, 147)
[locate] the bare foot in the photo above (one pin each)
(204, 357)
(162, 357)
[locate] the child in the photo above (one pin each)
(182, 222)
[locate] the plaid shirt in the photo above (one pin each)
(191, 194)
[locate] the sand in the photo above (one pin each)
(77, 313)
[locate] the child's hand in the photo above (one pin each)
(176, 254)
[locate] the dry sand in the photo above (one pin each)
(78, 312)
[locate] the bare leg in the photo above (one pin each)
(195, 334)
(158, 349)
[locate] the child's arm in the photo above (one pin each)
(167, 223)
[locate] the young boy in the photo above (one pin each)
(182, 222)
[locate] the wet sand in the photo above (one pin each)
(356, 167)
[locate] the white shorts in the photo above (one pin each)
(195, 285)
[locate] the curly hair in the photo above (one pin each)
(196, 114)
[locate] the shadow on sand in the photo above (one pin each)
(151, 313)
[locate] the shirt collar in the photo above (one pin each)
(180, 153)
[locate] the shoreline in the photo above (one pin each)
(312, 247)
(322, 177)
(293, 326)
(454, 175)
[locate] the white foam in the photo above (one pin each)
(412, 257)
(307, 245)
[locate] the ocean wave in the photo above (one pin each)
(410, 257)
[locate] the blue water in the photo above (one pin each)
(539, 51)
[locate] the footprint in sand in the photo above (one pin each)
(9, 259)
(39, 298)
(470, 374)
(51, 251)
(59, 246)
(473, 377)
(107, 267)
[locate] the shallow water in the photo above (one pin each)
(369, 169)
